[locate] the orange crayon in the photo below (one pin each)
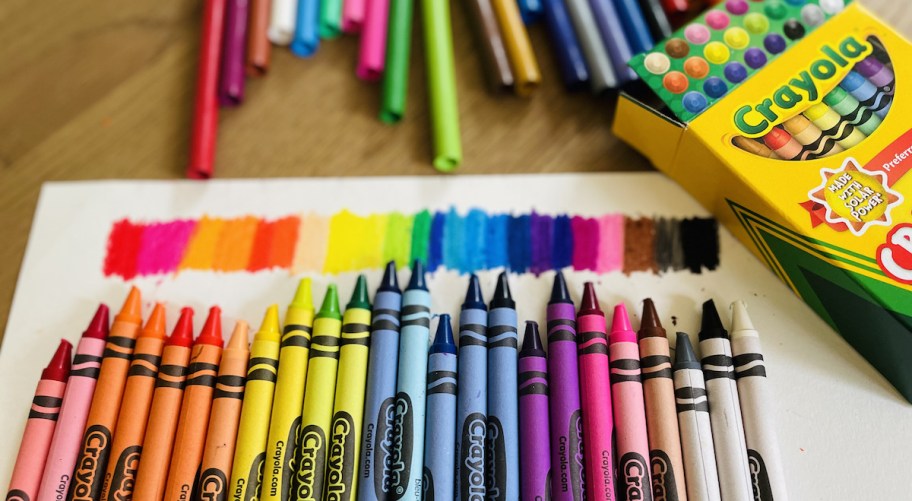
(190, 437)
(100, 426)
(166, 406)
(120, 475)
(226, 414)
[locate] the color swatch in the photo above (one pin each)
(464, 242)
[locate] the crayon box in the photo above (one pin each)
(803, 152)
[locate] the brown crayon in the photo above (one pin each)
(100, 426)
(190, 437)
(120, 475)
(755, 147)
(218, 453)
(166, 405)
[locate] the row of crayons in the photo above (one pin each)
(356, 406)
(844, 119)
(593, 41)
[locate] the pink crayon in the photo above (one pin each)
(629, 410)
(595, 394)
(66, 443)
(372, 53)
(353, 16)
(39, 429)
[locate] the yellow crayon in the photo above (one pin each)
(833, 126)
(253, 430)
(348, 410)
(289, 394)
(316, 415)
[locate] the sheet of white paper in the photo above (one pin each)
(845, 433)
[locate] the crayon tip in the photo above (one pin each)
(740, 319)
(212, 329)
(239, 339)
(99, 326)
(390, 282)
(330, 307)
(155, 324)
(620, 322)
(269, 328)
(182, 335)
(502, 296)
(360, 298)
(131, 311)
(685, 358)
(559, 291)
(59, 367)
(443, 339)
(531, 345)
(417, 281)
(650, 325)
(303, 297)
(474, 299)
(589, 305)
(711, 325)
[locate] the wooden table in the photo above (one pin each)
(103, 89)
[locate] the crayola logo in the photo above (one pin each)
(286, 464)
(633, 484)
(664, 487)
(496, 461)
(427, 485)
(805, 89)
(383, 447)
(87, 477)
(575, 454)
(472, 458)
(760, 481)
(124, 477)
(341, 458)
(401, 466)
(17, 495)
(310, 462)
(212, 485)
(249, 487)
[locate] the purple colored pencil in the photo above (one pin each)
(534, 448)
(566, 416)
(231, 78)
(619, 51)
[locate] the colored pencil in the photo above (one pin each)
(353, 12)
(282, 19)
(231, 77)
(602, 75)
(612, 35)
(258, 46)
(565, 44)
(523, 65)
(372, 48)
(441, 84)
(306, 38)
(330, 19)
(491, 44)
(204, 126)
(394, 91)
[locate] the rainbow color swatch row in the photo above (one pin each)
(464, 242)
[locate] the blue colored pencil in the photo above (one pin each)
(634, 24)
(530, 10)
(503, 400)
(569, 54)
(472, 400)
(439, 454)
(306, 39)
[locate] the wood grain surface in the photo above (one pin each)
(102, 89)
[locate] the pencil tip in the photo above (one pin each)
(418, 280)
(589, 304)
(238, 339)
(182, 335)
(650, 325)
(155, 324)
(474, 299)
(131, 311)
(559, 291)
(303, 297)
(503, 298)
(390, 282)
(330, 307)
(740, 319)
(99, 326)
(443, 339)
(212, 329)
(532, 344)
(360, 297)
(711, 325)
(684, 353)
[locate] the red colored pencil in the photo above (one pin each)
(205, 105)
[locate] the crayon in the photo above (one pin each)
(602, 75)
(596, 398)
(811, 137)
(523, 65)
(619, 51)
(126, 451)
(253, 429)
(204, 126)
(502, 440)
(282, 19)
(380, 395)
(441, 84)
(411, 389)
(372, 46)
(394, 91)
(39, 429)
(784, 145)
(833, 126)
(440, 454)
(635, 26)
(330, 18)
(285, 422)
(567, 48)
(231, 77)
(867, 94)
(472, 399)
(92, 462)
(221, 437)
(493, 49)
(634, 479)
(693, 421)
(530, 11)
(755, 147)
(757, 409)
(316, 415)
(877, 73)
(353, 16)
(667, 465)
(306, 38)
(659, 26)
(534, 446)
(724, 408)
(166, 406)
(348, 409)
(564, 411)
(852, 111)
(258, 46)
(196, 405)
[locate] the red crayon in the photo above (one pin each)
(205, 104)
(39, 429)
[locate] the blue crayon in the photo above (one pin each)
(407, 464)
(530, 10)
(502, 440)
(570, 56)
(867, 94)
(617, 45)
(306, 39)
(380, 396)
(634, 24)
(439, 454)
(472, 401)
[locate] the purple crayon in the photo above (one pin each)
(566, 416)
(877, 73)
(535, 451)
